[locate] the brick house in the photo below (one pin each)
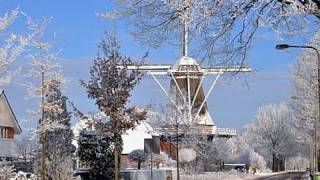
(9, 127)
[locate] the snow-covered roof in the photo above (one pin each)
(134, 139)
(185, 61)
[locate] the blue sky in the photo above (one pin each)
(78, 30)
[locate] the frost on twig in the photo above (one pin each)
(220, 31)
(14, 44)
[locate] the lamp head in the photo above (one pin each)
(282, 46)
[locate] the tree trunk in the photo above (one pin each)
(274, 163)
(139, 165)
(43, 155)
(116, 160)
(282, 166)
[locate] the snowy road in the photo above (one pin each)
(286, 176)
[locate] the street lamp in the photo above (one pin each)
(286, 46)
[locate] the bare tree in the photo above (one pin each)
(110, 85)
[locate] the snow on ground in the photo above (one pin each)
(218, 176)
(231, 175)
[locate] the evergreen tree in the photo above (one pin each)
(58, 135)
(95, 151)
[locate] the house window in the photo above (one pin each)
(4, 131)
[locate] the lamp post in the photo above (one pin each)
(286, 46)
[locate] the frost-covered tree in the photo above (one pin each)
(110, 84)
(271, 134)
(95, 151)
(138, 156)
(58, 133)
(27, 145)
(175, 125)
(304, 96)
(218, 28)
(304, 101)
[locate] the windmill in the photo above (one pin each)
(187, 79)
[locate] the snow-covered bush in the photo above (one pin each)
(20, 176)
(257, 161)
(187, 155)
(242, 153)
(167, 161)
(138, 156)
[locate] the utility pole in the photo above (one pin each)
(177, 144)
(42, 132)
(151, 167)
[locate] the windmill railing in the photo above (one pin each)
(226, 132)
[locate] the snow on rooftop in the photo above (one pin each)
(134, 139)
(184, 61)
